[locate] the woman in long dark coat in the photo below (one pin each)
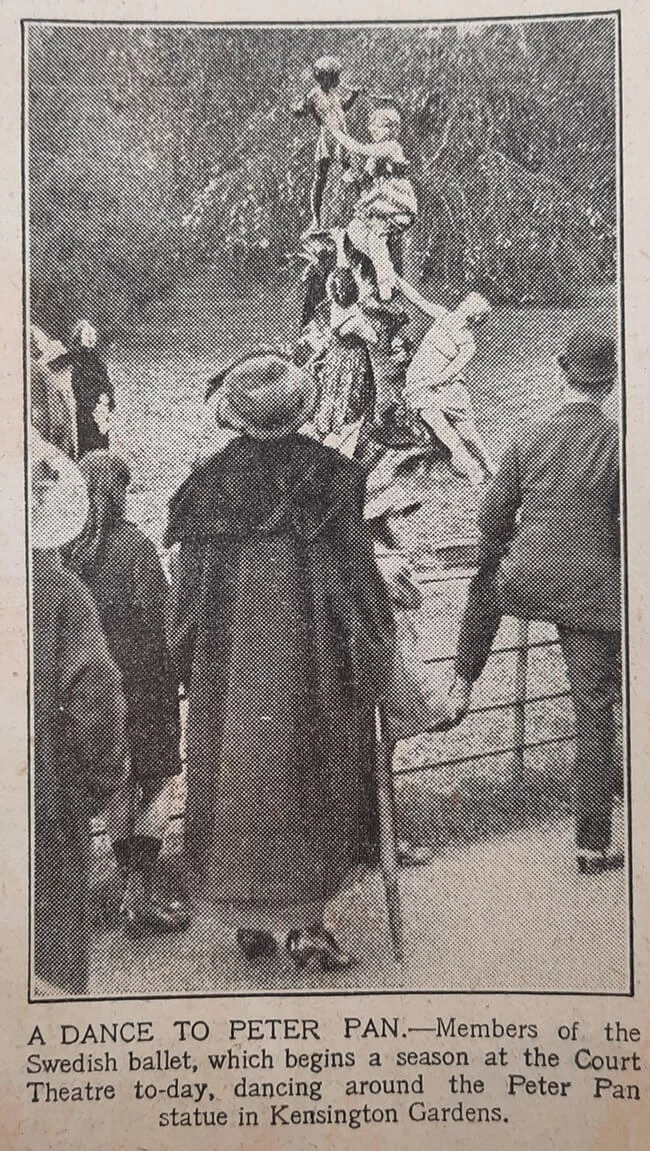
(121, 567)
(92, 386)
(282, 632)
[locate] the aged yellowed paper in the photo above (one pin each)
(324, 653)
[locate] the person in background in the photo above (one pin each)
(53, 405)
(281, 630)
(121, 568)
(78, 717)
(550, 550)
(327, 102)
(92, 387)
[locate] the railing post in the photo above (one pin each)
(519, 703)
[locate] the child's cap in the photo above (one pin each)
(474, 304)
(327, 65)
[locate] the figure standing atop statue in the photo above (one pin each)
(328, 101)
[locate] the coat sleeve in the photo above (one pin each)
(183, 608)
(91, 701)
(149, 602)
(373, 634)
(109, 388)
(497, 515)
(150, 585)
(60, 363)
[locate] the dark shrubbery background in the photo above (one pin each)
(155, 149)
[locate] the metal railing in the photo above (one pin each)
(520, 701)
(517, 749)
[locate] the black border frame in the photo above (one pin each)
(614, 13)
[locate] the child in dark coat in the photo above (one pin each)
(122, 569)
(78, 760)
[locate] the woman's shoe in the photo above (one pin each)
(175, 910)
(151, 918)
(301, 947)
(318, 944)
(256, 944)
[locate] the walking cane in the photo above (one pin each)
(387, 836)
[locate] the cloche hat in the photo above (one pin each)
(265, 395)
(59, 503)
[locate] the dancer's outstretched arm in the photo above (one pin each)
(348, 100)
(303, 107)
(379, 148)
(436, 311)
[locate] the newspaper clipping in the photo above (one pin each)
(325, 791)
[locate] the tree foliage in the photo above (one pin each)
(152, 148)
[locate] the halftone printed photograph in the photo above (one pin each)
(326, 508)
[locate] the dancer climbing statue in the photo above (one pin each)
(388, 206)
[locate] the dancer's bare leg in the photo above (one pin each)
(341, 256)
(472, 438)
(376, 248)
(380, 256)
(461, 460)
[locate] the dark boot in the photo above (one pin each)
(106, 906)
(142, 914)
(256, 944)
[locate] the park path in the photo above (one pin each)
(509, 913)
